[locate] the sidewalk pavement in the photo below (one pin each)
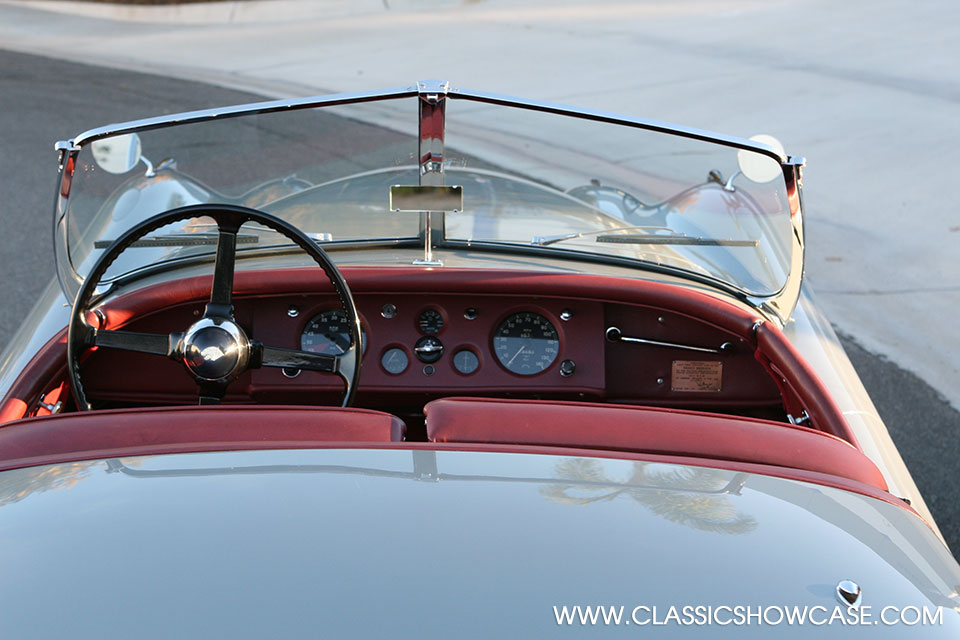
(869, 93)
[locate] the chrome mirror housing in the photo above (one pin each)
(117, 154)
(757, 167)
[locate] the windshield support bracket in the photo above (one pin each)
(433, 95)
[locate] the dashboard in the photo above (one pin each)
(441, 334)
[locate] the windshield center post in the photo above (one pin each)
(433, 94)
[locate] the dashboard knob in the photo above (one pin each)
(567, 367)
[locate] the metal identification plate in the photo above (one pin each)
(417, 199)
(696, 375)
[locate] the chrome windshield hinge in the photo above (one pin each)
(800, 420)
(64, 147)
(52, 408)
(798, 163)
(433, 91)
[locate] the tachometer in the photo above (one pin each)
(526, 343)
(328, 333)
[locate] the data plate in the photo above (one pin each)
(696, 376)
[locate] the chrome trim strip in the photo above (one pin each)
(614, 118)
(221, 113)
(116, 465)
(270, 106)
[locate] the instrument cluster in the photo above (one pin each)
(525, 343)
(456, 342)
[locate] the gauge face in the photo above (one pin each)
(526, 343)
(466, 361)
(394, 361)
(328, 333)
(430, 322)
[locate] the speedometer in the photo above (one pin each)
(328, 333)
(526, 343)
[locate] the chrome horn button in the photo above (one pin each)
(215, 349)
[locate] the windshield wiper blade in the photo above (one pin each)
(671, 237)
(181, 240)
(204, 238)
(543, 241)
(645, 238)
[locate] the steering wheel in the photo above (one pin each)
(214, 349)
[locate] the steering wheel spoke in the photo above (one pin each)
(211, 392)
(221, 293)
(296, 359)
(156, 344)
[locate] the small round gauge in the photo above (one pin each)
(328, 333)
(430, 322)
(526, 343)
(428, 349)
(466, 361)
(394, 361)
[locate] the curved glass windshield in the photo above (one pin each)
(529, 178)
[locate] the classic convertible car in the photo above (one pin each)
(438, 362)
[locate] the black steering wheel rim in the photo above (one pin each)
(217, 320)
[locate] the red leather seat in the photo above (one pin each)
(155, 430)
(647, 430)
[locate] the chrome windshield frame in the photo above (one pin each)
(609, 117)
(778, 305)
(223, 113)
(290, 104)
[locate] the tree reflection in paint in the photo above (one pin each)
(17, 484)
(694, 497)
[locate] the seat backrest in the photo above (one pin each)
(146, 431)
(647, 430)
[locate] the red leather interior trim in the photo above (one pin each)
(12, 409)
(798, 378)
(146, 431)
(48, 365)
(645, 429)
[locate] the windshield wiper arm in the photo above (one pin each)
(543, 241)
(672, 238)
(201, 239)
(644, 238)
(181, 240)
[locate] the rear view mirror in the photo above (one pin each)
(117, 154)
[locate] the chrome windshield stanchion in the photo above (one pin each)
(428, 242)
(433, 94)
(432, 199)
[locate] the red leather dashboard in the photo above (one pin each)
(276, 306)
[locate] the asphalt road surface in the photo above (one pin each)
(43, 100)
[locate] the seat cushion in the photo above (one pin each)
(647, 430)
(146, 431)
